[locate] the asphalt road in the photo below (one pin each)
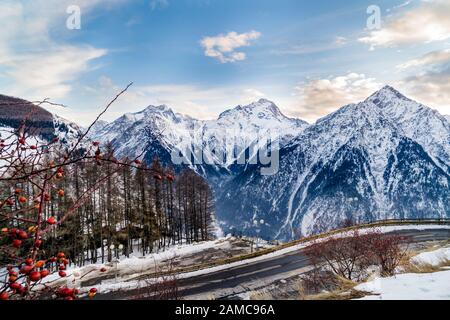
(230, 282)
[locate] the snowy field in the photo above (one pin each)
(127, 283)
(409, 286)
(433, 258)
(127, 274)
(413, 286)
(122, 274)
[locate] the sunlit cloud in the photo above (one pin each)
(223, 47)
(319, 97)
(425, 23)
(432, 58)
(33, 64)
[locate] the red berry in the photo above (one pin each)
(4, 296)
(61, 193)
(22, 290)
(35, 276)
(38, 243)
(17, 243)
(137, 161)
(33, 147)
(65, 292)
(15, 286)
(44, 273)
(62, 267)
(103, 270)
(93, 290)
(22, 234)
(22, 141)
(22, 199)
(26, 269)
(61, 255)
(69, 298)
(28, 261)
(62, 274)
(51, 221)
(18, 191)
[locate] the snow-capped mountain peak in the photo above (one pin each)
(244, 123)
(387, 94)
(385, 157)
(262, 109)
(416, 120)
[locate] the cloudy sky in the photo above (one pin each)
(201, 57)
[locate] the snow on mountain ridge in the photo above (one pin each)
(418, 122)
(241, 125)
(373, 160)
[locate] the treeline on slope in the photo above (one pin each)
(133, 210)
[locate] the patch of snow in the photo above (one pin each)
(433, 258)
(429, 286)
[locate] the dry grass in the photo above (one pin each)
(410, 267)
(425, 267)
(261, 295)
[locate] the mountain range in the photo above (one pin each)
(385, 157)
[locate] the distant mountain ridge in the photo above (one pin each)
(385, 157)
(45, 125)
(174, 131)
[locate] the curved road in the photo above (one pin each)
(227, 283)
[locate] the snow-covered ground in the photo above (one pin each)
(122, 275)
(129, 271)
(409, 286)
(413, 286)
(112, 285)
(135, 265)
(433, 258)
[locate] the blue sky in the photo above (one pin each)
(201, 57)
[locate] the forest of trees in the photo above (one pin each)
(141, 208)
(77, 203)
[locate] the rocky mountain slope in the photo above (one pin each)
(383, 158)
(158, 131)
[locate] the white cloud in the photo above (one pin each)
(340, 41)
(430, 80)
(49, 74)
(432, 58)
(425, 23)
(319, 97)
(222, 47)
(33, 64)
(430, 88)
